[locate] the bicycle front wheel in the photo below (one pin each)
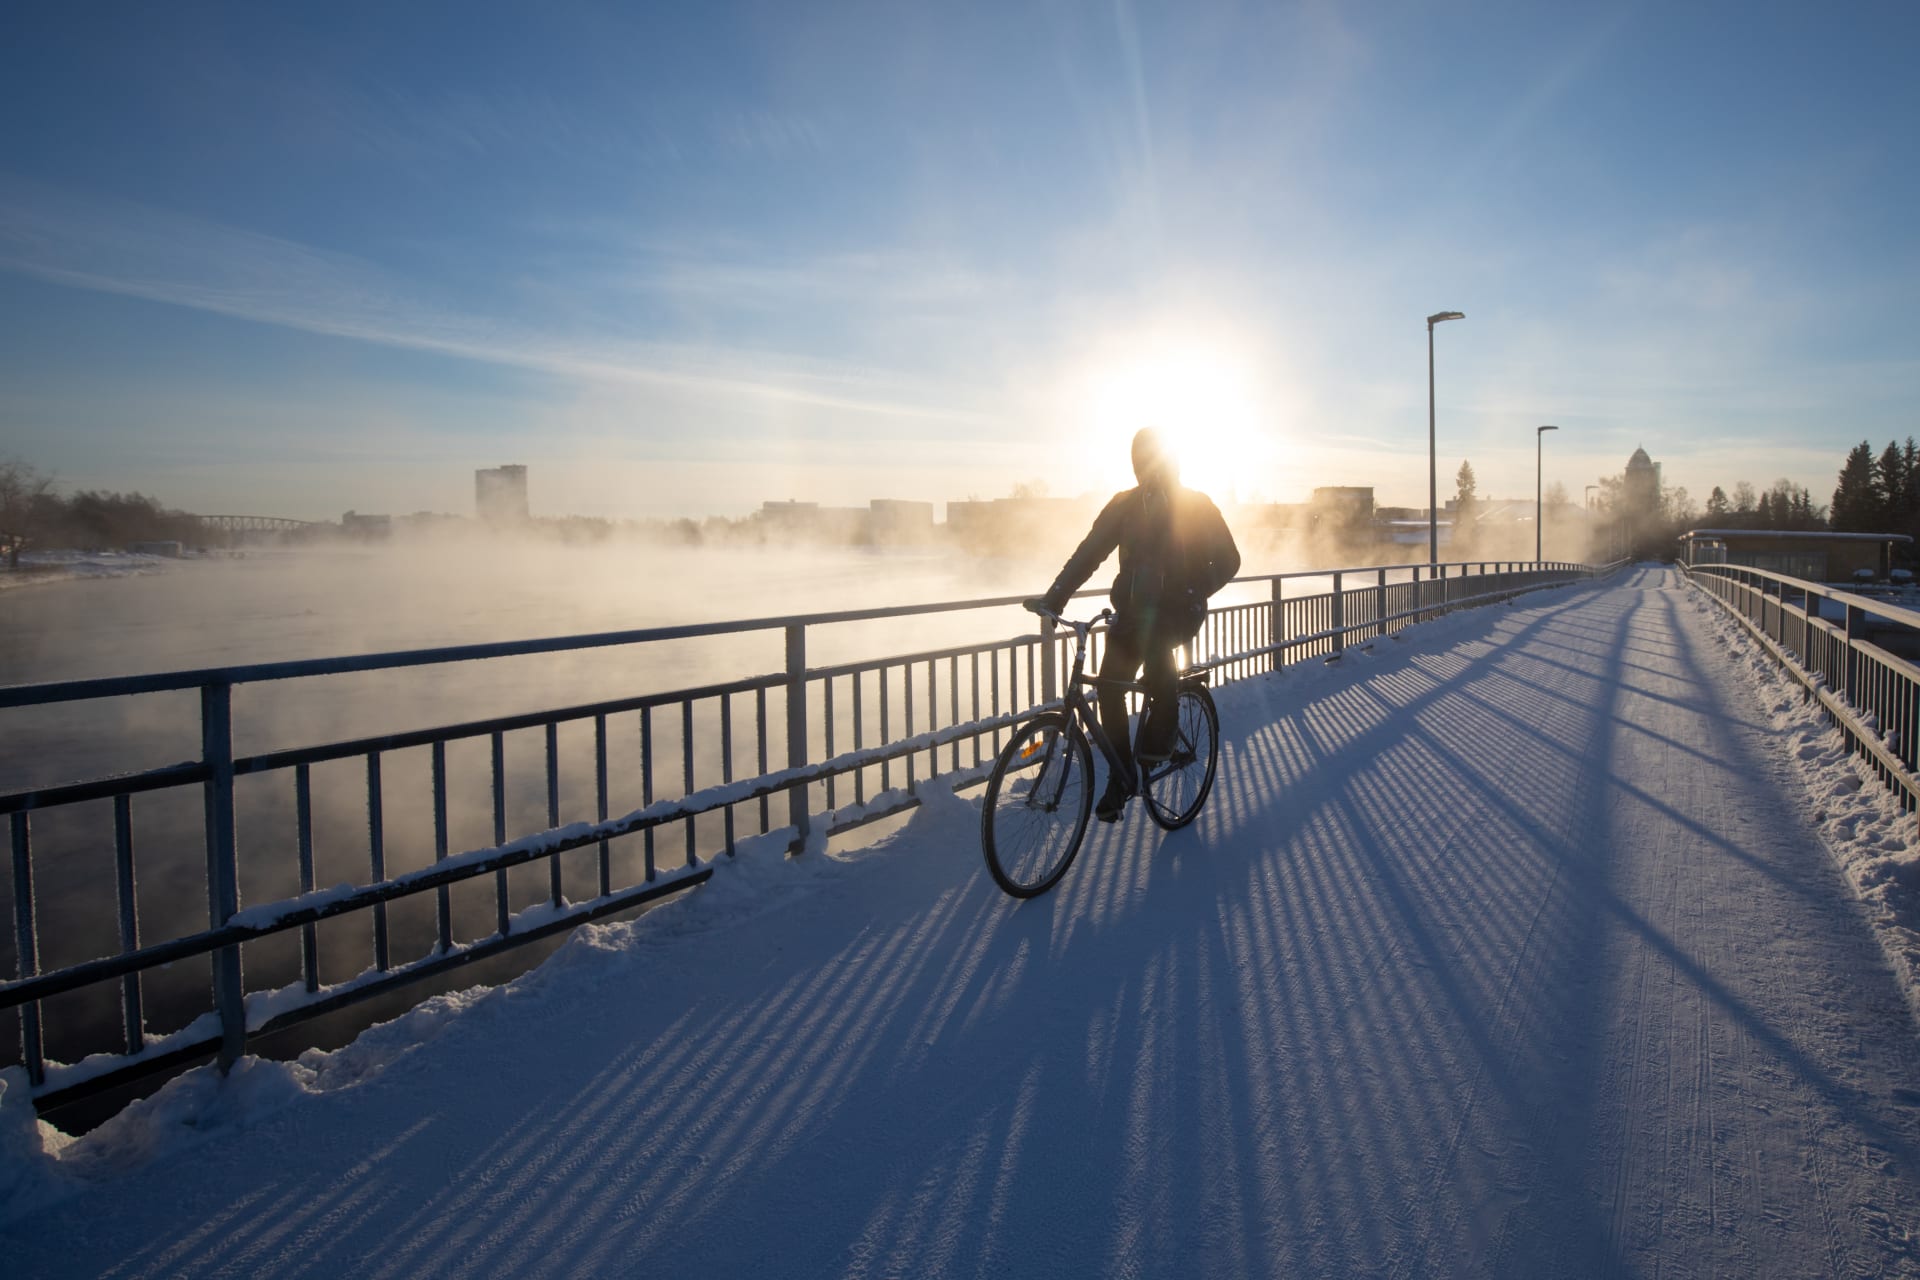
(1177, 787)
(1038, 799)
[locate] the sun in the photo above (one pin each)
(1203, 399)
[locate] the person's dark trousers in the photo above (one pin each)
(1127, 651)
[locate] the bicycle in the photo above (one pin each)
(1040, 793)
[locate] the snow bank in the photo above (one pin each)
(1859, 820)
(40, 1165)
(64, 566)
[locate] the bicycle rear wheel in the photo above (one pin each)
(1176, 788)
(1038, 799)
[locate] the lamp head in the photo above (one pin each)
(1438, 316)
(1538, 430)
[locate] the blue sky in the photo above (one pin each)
(680, 259)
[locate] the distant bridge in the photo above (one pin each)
(254, 524)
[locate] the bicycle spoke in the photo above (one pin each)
(1036, 807)
(1179, 786)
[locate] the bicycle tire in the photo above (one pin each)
(1039, 797)
(1177, 787)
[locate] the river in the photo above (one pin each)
(287, 605)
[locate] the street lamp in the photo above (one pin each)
(1539, 434)
(1433, 467)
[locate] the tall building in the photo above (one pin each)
(1352, 503)
(1642, 484)
(500, 494)
(1639, 511)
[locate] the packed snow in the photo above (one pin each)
(1860, 821)
(1552, 939)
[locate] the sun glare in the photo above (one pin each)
(1202, 399)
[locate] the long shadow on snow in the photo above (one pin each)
(1341, 1050)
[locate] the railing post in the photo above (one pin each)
(223, 870)
(1856, 628)
(1276, 623)
(1380, 613)
(1339, 617)
(797, 731)
(1049, 662)
(26, 949)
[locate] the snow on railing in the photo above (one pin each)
(1851, 653)
(881, 728)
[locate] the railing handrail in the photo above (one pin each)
(42, 694)
(1826, 591)
(1248, 637)
(1868, 692)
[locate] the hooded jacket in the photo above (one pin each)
(1175, 551)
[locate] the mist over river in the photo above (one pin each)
(277, 606)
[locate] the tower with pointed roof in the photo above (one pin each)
(1639, 511)
(1641, 491)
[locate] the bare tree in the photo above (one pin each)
(23, 494)
(1682, 512)
(1744, 503)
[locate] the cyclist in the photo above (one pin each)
(1175, 551)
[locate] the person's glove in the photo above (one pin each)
(1050, 603)
(1196, 608)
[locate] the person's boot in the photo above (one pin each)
(1112, 801)
(1157, 736)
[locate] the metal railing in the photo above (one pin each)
(844, 744)
(1851, 653)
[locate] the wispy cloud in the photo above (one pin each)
(142, 252)
(770, 133)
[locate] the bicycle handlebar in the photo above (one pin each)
(1035, 606)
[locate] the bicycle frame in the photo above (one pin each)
(1082, 708)
(1034, 815)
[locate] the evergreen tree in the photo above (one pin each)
(1798, 513)
(1718, 507)
(1890, 487)
(1854, 498)
(1466, 493)
(1910, 498)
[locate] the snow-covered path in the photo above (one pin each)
(1507, 949)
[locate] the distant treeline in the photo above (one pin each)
(1785, 506)
(97, 521)
(33, 515)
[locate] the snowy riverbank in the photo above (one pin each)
(39, 568)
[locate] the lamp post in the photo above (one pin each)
(1539, 434)
(1433, 466)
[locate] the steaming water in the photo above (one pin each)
(287, 606)
(284, 606)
